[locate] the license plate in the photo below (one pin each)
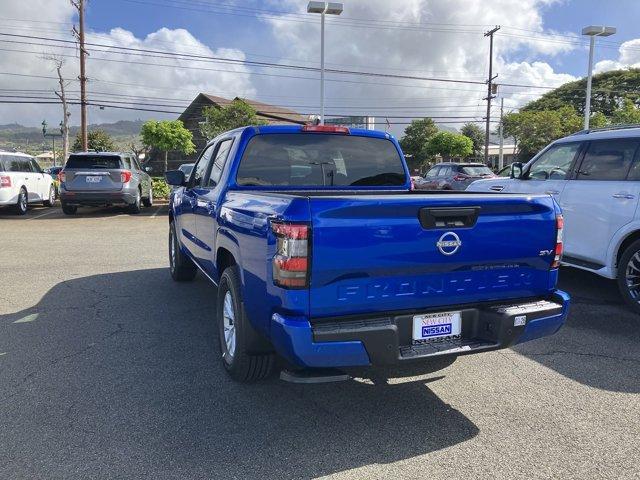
(97, 179)
(436, 325)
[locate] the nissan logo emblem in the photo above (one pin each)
(449, 243)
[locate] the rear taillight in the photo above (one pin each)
(125, 176)
(558, 250)
(460, 177)
(62, 176)
(291, 261)
(5, 181)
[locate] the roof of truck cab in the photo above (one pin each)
(361, 132)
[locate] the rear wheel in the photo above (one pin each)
(69, 209)
(23, 202)
(181, 267)
(136, 206)
(49, 202)
(148, 201)
(236, 334)
(629, 276)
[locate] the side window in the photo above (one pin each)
(608, 160)
(35, 167)
(444, 171)
(200, 168)
(432, 173)
(136, 163)
(554, 164)
(219, 162)
(126, 163)
(25, 165)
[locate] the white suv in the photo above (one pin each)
(595, 177)
(22, 182)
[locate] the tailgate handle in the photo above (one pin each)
(447, 217)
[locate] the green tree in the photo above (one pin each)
(609, 90)
(449, 144)
(627, 114)
(533, 130)
(598, 120)
(97, 140)
(475, 133)
(220, 119)
(166, 136)
(414, 142)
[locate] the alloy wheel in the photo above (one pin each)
(228, 318)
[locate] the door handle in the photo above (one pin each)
(552, 192)
(202, 204)
(626, 196)
(496, 188)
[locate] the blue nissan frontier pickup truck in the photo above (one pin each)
(325, 258)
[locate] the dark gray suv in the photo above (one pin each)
(453, 176)
(104, 178)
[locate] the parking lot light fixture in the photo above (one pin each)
(323, 8)
(593, 31)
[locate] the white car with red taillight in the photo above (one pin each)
(22, 182)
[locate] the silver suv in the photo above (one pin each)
(104, 178)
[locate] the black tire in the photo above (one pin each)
(52, 197)
(22, 204)
(629, 265)
(181, 267)
(148, 201)
(136, 206)
(243, 364)
(69, 209)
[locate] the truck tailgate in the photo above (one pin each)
(385, 253)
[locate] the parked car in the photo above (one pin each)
(104, 178)
(453, 176)
(595, 177)
(324, 256)
(53, 173)
(22, 182)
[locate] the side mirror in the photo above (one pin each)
(148, 168)
(175, 177)
(516, 170)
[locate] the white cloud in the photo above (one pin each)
(113, 79)
(450, 45)
(628, 57)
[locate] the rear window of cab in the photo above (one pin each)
(320, 160)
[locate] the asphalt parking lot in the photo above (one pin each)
(108, 369)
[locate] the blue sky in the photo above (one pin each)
(246, 32)
(538, 48)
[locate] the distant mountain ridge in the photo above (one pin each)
(20, 137)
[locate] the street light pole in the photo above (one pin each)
(322, 67)
(323, 8)
(592, 31)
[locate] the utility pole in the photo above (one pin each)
(489, 92)
(79, 5)
(500, 152)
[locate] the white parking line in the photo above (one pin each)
(42, 215)
(156, 212)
